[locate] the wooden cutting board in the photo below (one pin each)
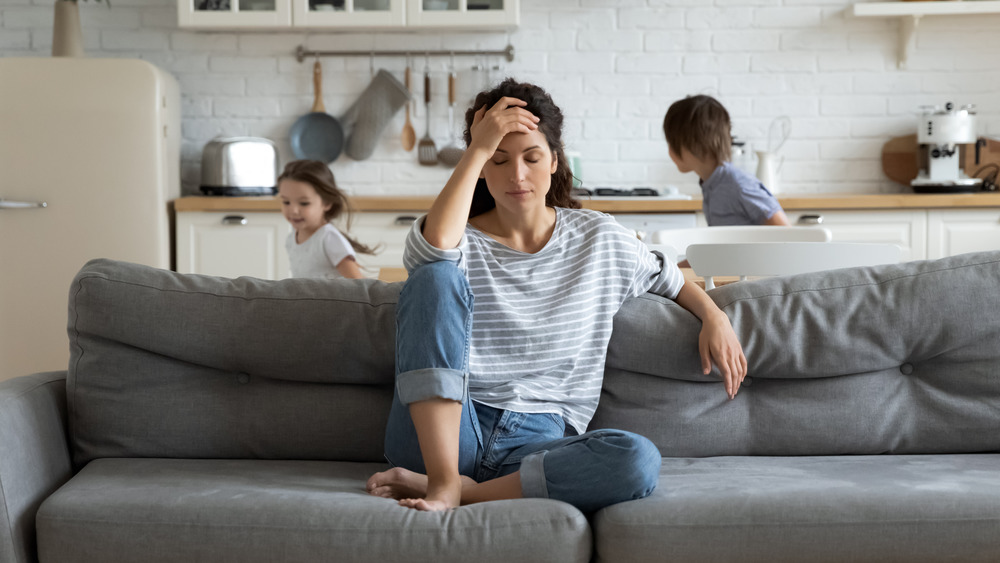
(900, 160)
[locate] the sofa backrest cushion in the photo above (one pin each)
(170, 365)
(902, 358)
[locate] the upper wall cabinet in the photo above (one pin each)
(234, 14)
(348, 14)
(462, 13)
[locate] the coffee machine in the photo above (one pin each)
(941, 134)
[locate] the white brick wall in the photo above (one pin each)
(614, 67)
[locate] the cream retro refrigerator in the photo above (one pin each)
(89, 159)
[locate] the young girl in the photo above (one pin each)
(493, 401)
(310, 200)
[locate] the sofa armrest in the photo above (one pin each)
(35, 458)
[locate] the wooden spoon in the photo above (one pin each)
(409, 137)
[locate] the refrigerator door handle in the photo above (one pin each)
(7, 204)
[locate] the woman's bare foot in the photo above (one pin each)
(409, 488)
(440, 496)
(397, 483)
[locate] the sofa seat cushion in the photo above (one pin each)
(840, 508)
(255, 510)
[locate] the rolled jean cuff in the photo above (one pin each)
(533, 476)
(431, 383)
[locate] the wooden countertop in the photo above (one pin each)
(789, 203)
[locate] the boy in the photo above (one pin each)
(697, 131)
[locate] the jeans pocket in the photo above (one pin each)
(522, 433)
(559, 423)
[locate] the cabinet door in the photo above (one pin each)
(907, 229)
(959, 231)
(234, 14)
(233, 244)
(486, 14)
(387, 229)
(348, 13)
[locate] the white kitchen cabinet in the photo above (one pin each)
(388, 229)
(904, 228)
(348, 14)
(232, 244)
(462, 13)
(234, 14)
(957, 231)
(216, 241)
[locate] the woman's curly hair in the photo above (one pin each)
(550, 123)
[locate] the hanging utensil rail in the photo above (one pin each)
(301, 54)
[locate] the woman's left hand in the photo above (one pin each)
(718, 343)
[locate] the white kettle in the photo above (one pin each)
(768, 162)
(768, 168)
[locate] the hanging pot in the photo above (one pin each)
(317, 135)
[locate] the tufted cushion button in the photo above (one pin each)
(747, 381)
(906, 369)
(243, 379)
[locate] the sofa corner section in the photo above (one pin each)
(36, 457)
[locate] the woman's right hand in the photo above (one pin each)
(490, 126)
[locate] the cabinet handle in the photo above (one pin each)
(8, 204)
(234, 220)
(810, 220)
(405, 220)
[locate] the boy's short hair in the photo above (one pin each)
(701, 125)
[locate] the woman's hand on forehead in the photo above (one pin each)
(508, 102)
(490, 126)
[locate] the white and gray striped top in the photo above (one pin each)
(541, 322)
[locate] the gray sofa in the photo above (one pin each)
(207, 419)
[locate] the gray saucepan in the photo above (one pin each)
(317, 135)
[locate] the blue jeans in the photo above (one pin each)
(433, 327)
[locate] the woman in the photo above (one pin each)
(498, 396)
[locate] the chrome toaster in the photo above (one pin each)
(235, 166)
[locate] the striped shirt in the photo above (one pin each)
(541, 322)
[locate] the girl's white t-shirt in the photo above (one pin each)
(319, 255)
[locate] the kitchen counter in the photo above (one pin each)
(636, 205)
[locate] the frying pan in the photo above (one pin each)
(317, 135)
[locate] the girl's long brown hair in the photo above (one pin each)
(319, 176)
(550, 124)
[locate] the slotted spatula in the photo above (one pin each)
(450, 155)
(426, 150)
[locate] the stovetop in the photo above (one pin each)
(641, 192)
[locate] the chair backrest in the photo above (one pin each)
(784, 258)
(680, 239)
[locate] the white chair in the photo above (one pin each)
(680, 239)
(784, 258)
